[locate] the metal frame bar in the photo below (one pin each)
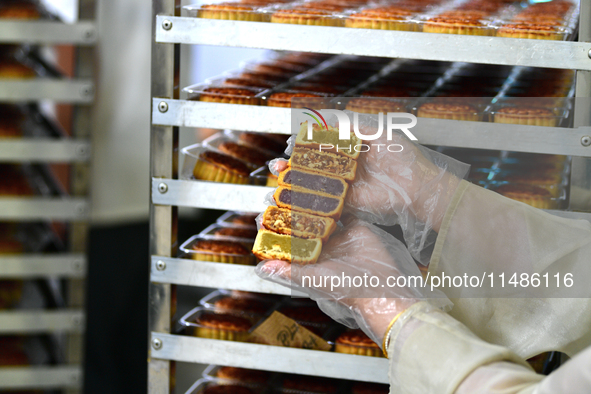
(41, 377)
(77, 91)
(443, 132)
(35, 208)
(47, 32)
(271, 358)
(201, 194)
(64, 265)
(82, 124)
(369, 42)
(40, 321)
(44, 150)
(581, 167)
(167, 270)
(163, 219)
(207, 274)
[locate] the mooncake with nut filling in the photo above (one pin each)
(299, 224)
(324, 163)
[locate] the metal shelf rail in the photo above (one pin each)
(442, 132)
(77, 91)
(28, 266)
(169, 112)
(39, 378)
(368, 42)
(271, 358)
(33, 321)
(69, 265)
(47, 32)
(44, 150)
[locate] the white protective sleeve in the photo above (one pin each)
(484, 232)
(432, 353)
(508, 378)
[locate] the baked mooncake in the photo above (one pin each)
(374, 106)
(237, 11)
(526, 116)
(314, 203)
(243, 375)
(221, 251)
(313, 182)
(269, 245)
(535, 196)
(324, 163)
(222, 326)
(356, 342)
(218, 167)
(299, 224)
(245, 153)
(327, 140)
(229, 95)
(448, 111)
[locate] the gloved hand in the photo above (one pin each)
(412, 187)
(362, 279)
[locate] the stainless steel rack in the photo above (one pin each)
(169, 113)
(68, 265)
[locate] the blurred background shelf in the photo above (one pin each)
(47, 32)
(44, 150)
(35, 208)
(34, 377)
(64, 265)
(77, 91)
(40, 321)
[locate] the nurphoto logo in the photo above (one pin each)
(345, 124)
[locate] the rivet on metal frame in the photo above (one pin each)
(589, 53)
(76, 320)
(162, 187)
(160, 265)
(585, 140)
(89, 34)
(162, 106)
(81, 209)
(156, 343)
(166, 24)
(87, 90)
(77, 265)
(82, 150)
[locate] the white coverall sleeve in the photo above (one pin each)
(432, 353)
(484, 232)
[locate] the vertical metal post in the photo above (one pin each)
(163, 219)
(80, 184)
(581, 166)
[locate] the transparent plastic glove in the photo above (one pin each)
(355, 279)
(412, 188)
(277, 165)
(399, 182)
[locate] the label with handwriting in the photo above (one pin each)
(279, 330)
